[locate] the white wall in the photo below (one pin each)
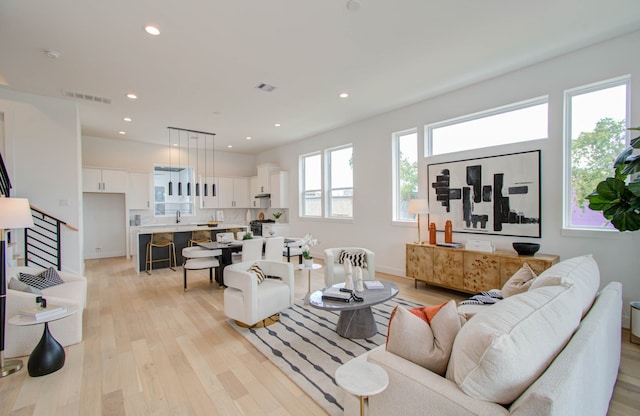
(617, 255)
(42, 154)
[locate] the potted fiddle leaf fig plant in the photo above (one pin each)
(618, 197)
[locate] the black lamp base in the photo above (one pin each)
(47, 357)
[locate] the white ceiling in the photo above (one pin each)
(201, 72)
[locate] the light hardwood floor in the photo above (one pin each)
(151, 348)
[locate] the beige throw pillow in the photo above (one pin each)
(519, 282)
(423, 338)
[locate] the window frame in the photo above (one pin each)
(429, 128)
(395, 166)
(303, 191)
(328, 186)
(567, 228)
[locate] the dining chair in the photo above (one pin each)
(252, 249)
(160, 240)
(199, 258)
(293, 248)
(199, 236)
(273, 248)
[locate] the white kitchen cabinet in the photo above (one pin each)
(104, 180)
(139, 194)
(278, 230)
(209, 201)
(233, 192)
(280, 190)
(264, 177)
(253, 191)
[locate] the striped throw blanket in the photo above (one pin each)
(483, 298)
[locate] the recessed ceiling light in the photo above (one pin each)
(174, 144)
(229, 146)
(248, 137)
(132, 96)
(277, 125)
(127, 119)
(52, 54)
(122, 132)
(152, 30)
(353, 5)
(343, 95)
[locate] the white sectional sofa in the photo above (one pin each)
(21, 340)
(553, 350)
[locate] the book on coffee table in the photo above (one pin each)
(373, 284)
(334, 293)
(39, 313)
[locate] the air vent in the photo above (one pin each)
(168, 169)
(86, 97)
(265, 87)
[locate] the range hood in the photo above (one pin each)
(263, 196)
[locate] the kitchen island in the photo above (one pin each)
(141, 235)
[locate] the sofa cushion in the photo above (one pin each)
(424, 335)
(255, 269)
(47, 278)
(582, 273)
(506, 347)
(519, 282)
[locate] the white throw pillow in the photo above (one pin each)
(423, 338)
(503, 349)
(519, 282)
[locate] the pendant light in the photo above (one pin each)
(206, 188)
(197, 177)
(189, 163)
(213, 163)
(170, 170)
(179, 166)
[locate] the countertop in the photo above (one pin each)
(176, 228)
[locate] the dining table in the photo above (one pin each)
(226, 258)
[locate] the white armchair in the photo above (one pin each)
(334, 271)
(21, 340)
(248, 302)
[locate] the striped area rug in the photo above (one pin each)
(305, 346)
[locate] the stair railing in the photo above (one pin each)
(42, 242)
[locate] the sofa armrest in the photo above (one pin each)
(412, 389)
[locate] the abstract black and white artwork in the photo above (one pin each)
(491, 195)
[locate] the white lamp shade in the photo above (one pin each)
(418, 206)
(15, 213)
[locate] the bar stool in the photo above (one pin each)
(160, 240)
(199, 236)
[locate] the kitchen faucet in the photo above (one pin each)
(177, 216)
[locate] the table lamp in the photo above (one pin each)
(419, 206)
(14, 213)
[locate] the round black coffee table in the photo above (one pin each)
(356, 318)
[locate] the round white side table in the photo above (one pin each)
(362, 379)
(309, 268)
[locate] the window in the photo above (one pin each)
(405, 173)
(340, 182)
(311, 168)
(595, 133)
(326, 183)
(509, 124)
(168, 205)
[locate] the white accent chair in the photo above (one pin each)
(248, 302)
(252, 249)
(273, 248)
(293, 248)
(334, 271)
(199, 258)
(21, 340)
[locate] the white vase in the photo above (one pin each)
(308, 262)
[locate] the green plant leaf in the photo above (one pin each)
(628, 220)
(635, 142)
(632, 165)
(611, 188)
(622, 157)
(634, 187)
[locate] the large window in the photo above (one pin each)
(509, 124)
(340, 182)
(311, 180)
(405, 173)
(595, 133)
(167, 204)
(326, 183)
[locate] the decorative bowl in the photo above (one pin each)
(526, 249)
